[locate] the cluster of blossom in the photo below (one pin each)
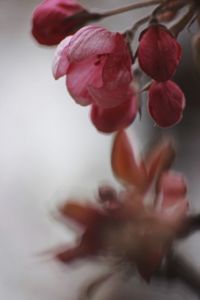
(98, 63)
(151, 209)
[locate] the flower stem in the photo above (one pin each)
(120, 10)
(183, 22)
(131, 32)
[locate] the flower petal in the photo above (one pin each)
(90, 41)
(159, 160)
(172, 185)
(123, 161)
(173, 204)
(116, 118)
(60, 62)
(84, 215)
(80, 76)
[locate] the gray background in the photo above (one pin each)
(49, 151)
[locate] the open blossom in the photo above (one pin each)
(97, 64)
(53, 20)
(166, 103)
(159, 52)
(139, 224)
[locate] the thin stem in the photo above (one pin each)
(131, 32)
(130, 7)
(94, 286)
(178, 27)
(177, 268)
(192, 224)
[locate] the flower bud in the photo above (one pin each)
(166, 103)
(53, 20)
(113, 119)
(159, 53)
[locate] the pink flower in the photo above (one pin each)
(97, 63)
(166, 103)
(112, 119)
(53, 20)
(159, 52)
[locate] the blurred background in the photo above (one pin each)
(49, 151)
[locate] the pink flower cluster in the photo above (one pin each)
(97, 63)
(159, 54)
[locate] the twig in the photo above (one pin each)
(140, 4)
(176, 268)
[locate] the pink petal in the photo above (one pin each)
(116, 77)
(126, 168)
(110, 98)
(172, 185)
(60, 62)
(90, 41)
(83, 74)
(173, 204)
(116, 118)
(166, 103)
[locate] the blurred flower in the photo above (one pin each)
(53, 20)
(196, 49)
(139, 224)
(166, 103)
(97, 63)
(159, 52)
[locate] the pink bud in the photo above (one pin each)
(116, 118)
(159, 52)
(53, 20)
(166, 103)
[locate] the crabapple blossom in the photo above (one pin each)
(159, 52)
(166, 103)
(53, 20)
(97, 64)
(114, 118)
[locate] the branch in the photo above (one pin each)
(140, 4)
(176, 268)
(192, 224)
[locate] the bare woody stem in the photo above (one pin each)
(183, 22)
(192, 224)
(177, 268)
(131, 32)
(133, 6)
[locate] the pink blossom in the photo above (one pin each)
(166, 103)
(51, 21)
(159, 52)
(97, 63)
(114, 118)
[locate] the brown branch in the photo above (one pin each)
(192, 224)
(176, 268)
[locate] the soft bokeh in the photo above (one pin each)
(50, 151)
